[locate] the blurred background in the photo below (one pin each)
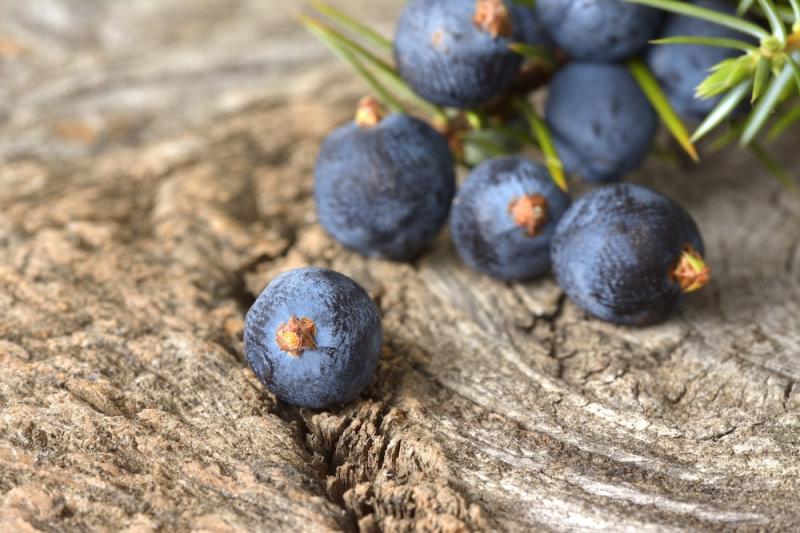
(78, 76)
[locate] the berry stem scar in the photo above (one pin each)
(369, 112)
(692, 272)
(296, 335)
(529, 212)
(491, 16)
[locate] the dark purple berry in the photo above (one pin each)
(456, 53)
(602, 123)
(384, 186)
(531, 29)
(313, 338)
(598, 30)
(504, 217)
(627, 254)
(680, 68)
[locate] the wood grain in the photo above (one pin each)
(155, 174)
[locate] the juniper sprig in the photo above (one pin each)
(765, 74)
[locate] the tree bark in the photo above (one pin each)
(155, 173)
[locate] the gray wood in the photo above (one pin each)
(155, 173)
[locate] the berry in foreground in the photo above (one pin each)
(456, 53)
(680, 68)
(384, 184)
(504, 217)
(313, 338)
(602, 123)
(627, 254)
(598, 30)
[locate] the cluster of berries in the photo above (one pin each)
(385, 184)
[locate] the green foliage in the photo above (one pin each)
(661, 104)
(768, 72)
(766, 105)
(368, 34)
(720, 42)
(685, 8)
(725, 75)
(723, 109)
(532, 52)
(775, 21)
(761, 78)
(545, 141)
(786, 120)
(475, 134)
(743, 7)
(345, 50)
(772, 165)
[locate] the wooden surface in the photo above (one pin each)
(155, 174)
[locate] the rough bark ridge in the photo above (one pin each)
(128, 259)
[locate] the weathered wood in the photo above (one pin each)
(156, 174)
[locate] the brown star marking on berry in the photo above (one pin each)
(529, 212)
(692, 272)
(296, 335)
(492, 17)
(369, 112)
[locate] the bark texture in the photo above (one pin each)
(155, 174)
